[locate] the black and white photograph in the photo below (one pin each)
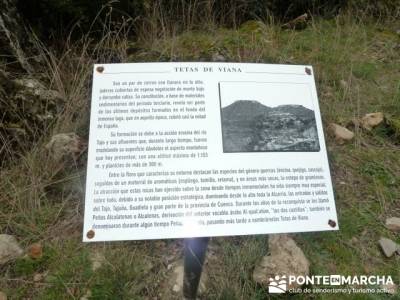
(267, 117)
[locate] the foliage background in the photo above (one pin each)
(48, 16)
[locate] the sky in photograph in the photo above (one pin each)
(267, 93)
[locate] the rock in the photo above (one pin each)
(42, 104)
(178, 279)
(393, 224)
(87, 296)
(178, 275)
(36, 88)
(216, 57)
(340, 133)
(9, 248)
(298, 23)
(372, 120)
(97, 260)
(281, 128)
(285, 258)
(389, 288)
(64, 145)
(388, 246)
(3, 296)
(35, 251)
(37, 277)
(27, 107)
(354, 240)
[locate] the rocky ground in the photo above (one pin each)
(262, 128)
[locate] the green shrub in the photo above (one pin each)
(376, 8)
(60, 16)
(53, 16)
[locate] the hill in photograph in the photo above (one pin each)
(249, 126)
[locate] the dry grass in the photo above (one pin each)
(33, 182)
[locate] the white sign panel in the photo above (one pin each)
(205, 149)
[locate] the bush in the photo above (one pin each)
(55, 16)
(377, 9)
